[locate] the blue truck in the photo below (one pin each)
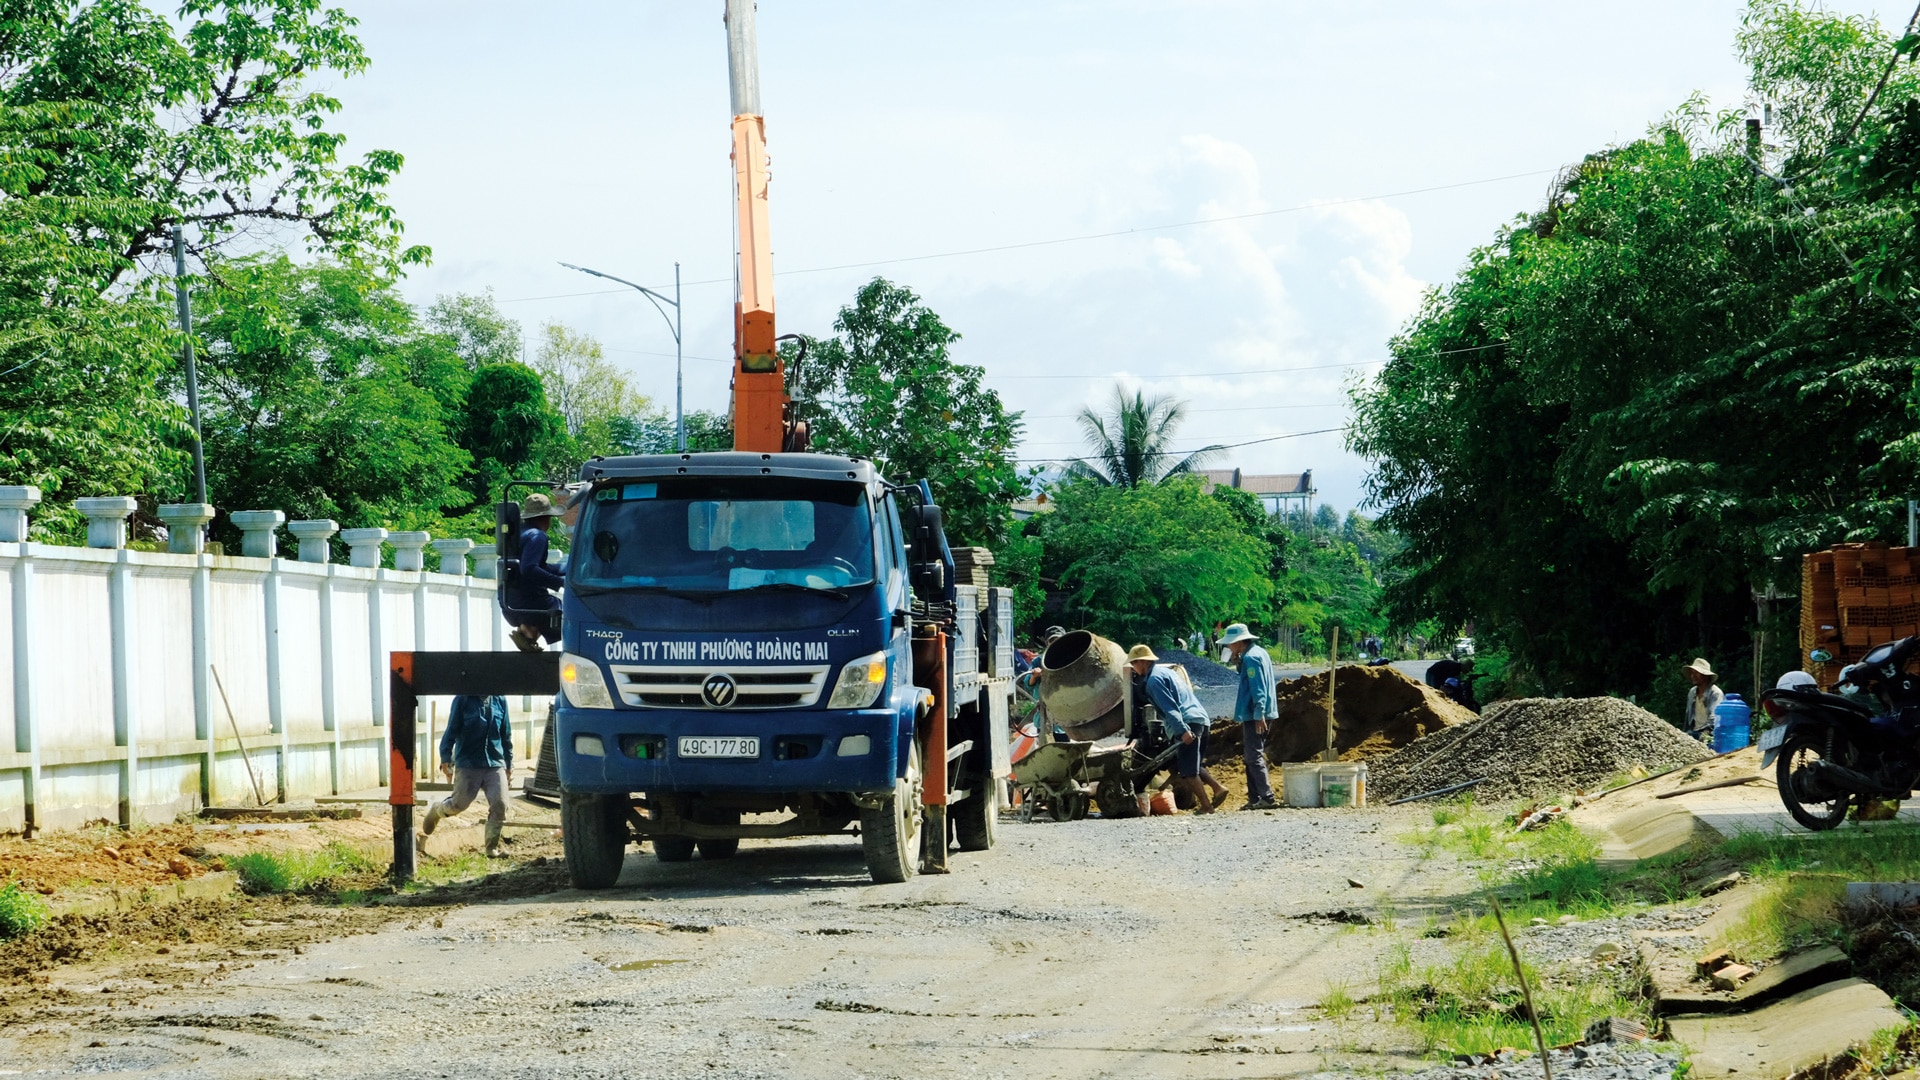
(772, 645)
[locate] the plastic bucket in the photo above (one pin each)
(1343, 785)
(1300, 784)
(1730, 737)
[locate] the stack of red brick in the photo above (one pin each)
(1854, 597)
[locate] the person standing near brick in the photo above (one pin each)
(477, 753)
(1255, 709)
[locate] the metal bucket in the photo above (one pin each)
(1084, 685)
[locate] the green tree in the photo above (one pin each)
(886, 387)
(653, 433)
(1604, 431)
(1151, 562)
(481, 334)
(1133, 442)
(590, 393)
(510, 430)
(312, 402)
(116, 124)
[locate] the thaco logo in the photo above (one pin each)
(718, 691)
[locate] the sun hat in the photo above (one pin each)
(1238, 633)
(1140, 652)
(1701, 666)
(535, 507)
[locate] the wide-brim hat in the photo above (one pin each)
(536, 506)
(1140, 652)
(1701, 667)
(1236, 634)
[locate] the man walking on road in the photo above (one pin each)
(1185, 719)
(477, 752)
(1256, 710)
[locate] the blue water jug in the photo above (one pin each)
(1732, 725)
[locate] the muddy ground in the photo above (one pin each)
(1185, 946)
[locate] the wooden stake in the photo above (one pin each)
(1333, 664)
(235, 724)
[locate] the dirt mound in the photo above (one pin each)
(1376, 710)
(102, 856)
(1537, 746)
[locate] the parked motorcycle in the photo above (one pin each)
(1860, 744)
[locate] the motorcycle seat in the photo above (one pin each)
(1822, 699)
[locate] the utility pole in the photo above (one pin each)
(185, 307)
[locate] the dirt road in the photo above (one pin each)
(1152, 947)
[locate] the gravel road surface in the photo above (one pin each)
(1179, 947)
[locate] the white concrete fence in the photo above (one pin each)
(113, 661)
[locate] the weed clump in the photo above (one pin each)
(304, 872)
(21, 912)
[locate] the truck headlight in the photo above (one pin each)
(580, 679)
(860, 682)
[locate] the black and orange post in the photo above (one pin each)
(414, 675)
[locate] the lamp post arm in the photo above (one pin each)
(655, 298)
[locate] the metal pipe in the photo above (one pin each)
(185, 308)
(930, 664)
(743, 58)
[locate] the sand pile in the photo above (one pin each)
(1537, 746)
(1376, 711)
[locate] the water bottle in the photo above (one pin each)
(1732, 725)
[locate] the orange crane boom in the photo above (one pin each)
(762, 420)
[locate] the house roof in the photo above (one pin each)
(1300, 483)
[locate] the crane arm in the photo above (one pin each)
(761, 409)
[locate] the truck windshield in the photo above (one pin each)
(705, 535)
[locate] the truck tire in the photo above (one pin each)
(673, 848)
(719, 848)
(890, 833)
(593, 830)
(976, 821)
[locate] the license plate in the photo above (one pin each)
(1772, 738)
(724, 746)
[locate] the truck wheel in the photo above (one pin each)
(593, 830)
(976, 821)
(890, 833)
(724, 848)
(673, 848)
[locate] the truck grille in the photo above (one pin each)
(678, 687)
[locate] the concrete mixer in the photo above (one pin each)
(1085, 686)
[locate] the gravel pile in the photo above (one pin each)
(1536, 746)
(1215, 684)
(1603, 1061)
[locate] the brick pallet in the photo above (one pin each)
(970, 566)
(1853, 597)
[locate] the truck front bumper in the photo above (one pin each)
(800, 750)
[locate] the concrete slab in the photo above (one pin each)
(1651, 830)
(133, 896)
(1786, 976)
(1805, 1030)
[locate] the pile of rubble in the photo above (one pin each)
(1216, 685)
(1536, 746)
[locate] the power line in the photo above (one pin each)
(1052, 241)
(1200, 374)
(1224, 446)
(1234, 408)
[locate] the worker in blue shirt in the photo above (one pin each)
(530, 590)
(476, 752)
(1255, 709)
(1185, 720)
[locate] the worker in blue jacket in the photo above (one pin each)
(1185, 720)
(530, 591)
(477, 753)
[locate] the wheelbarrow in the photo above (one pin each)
(1062, 779)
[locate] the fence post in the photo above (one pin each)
(186, 526)
(365, 553)
(120, 639)
(257, 540)
(16, 502)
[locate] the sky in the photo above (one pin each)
(1033, 169)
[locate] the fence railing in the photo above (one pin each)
(132, 680)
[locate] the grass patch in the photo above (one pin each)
(1803, 882)
(328, 870)
(1472, 1004)
(21, 912)
(1337, 1004)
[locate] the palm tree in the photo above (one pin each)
(1130, 443)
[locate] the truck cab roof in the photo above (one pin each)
(732, 463)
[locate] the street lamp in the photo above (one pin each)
(673, 324)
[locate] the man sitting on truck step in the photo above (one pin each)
(1185, 719)
(532, 586)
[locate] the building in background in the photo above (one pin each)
(1289, 494)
